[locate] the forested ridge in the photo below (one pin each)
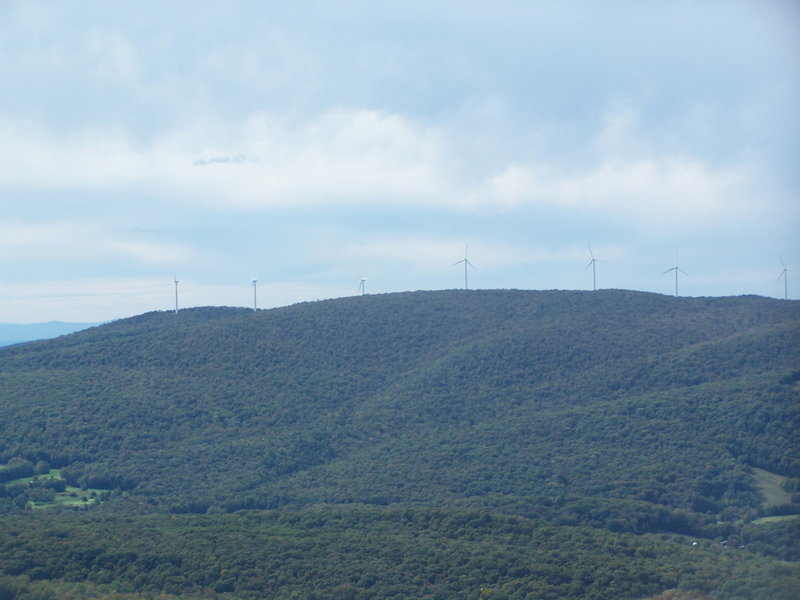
(627, 417)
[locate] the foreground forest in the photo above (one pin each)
(503, 444)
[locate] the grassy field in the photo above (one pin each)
(52, 474)
(775, 519)
(70, 497)
(770, 484)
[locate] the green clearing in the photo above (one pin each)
(771, 485)
(52, 474)
(776, 519)
(71, 497)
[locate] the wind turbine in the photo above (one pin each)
(255, 298)
(785, 275)
(175, 280)
(677, 269)
(466, 262)
(362, 284)
(594, 273)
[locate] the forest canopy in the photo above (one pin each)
(621, 416)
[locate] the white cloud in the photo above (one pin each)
(343, 156)
(83, 241)
(32, 160)
(357, 157)
(661, 191)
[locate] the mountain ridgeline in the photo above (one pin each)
(618, 411)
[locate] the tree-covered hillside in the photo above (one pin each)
(621, 411)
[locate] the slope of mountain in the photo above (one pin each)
(615, 410)
(15, 333)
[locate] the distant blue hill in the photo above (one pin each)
(15, 333)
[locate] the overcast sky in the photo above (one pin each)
(309, 144)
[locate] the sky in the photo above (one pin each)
(311, 144)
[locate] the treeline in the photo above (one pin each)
(16, 468)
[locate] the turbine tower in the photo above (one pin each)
(594, 273)
(466, 262)
(785, 275)
(362, 287)
(677, 269)
(255, 297)
(175, 280)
